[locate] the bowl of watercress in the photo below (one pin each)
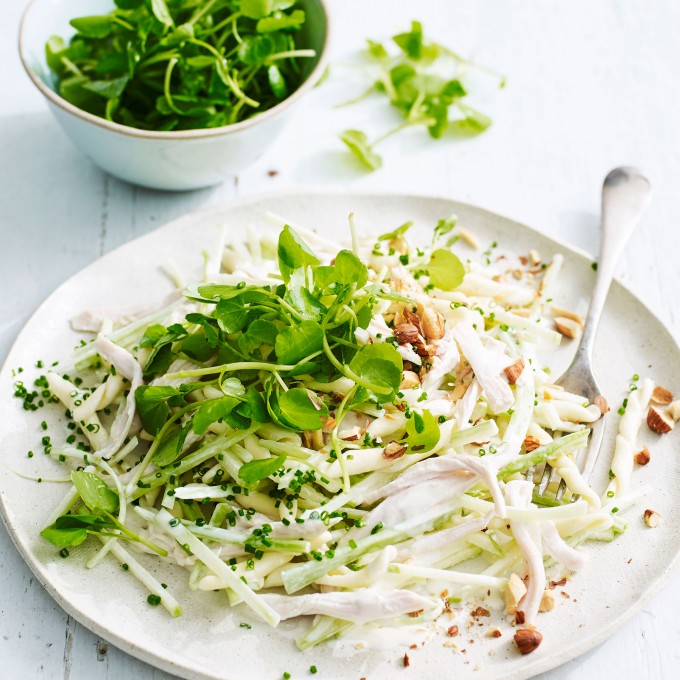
(174, 94)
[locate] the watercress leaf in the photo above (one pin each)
(376, 50)
(277, 82)
(444, 227)
(211, 335)
(324, 276)
(453, 89)
(360, 396)
(253, 406)
(364, 316)
(260, 332)
(200, 61)
(159, 360)
(128, 4)
(399, 231)
(180, 35)
(152, 406)
(293, 253)
(171, 447)
(64, 538)
(380, 364)
(195, 346)
(401, 74)
(438, 113)
(93, 27)
(232, 387)
(301, 299)
(256, 9)
(255, 49)
(445, 269)
(53, 49)
(237, 421)
(161, 12)
(82, 522)
(296, 342)
(255, 471)
(357, 142)
(422, 432)
(474, 119)
(152, 335)
(109, 89)
(280, 21)
(301, 409)
(94, 492)
(412, 42)
(348, 269)
(211, 412)
(231, 315)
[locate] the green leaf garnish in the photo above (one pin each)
(445, 269)
(293, 252)
(256, 470)
(296, 342)
(424, 82)
(381, 365)
(211, 412)
(301, 409)
(152, 406)
(94, 492)
(423, 432)
(357, 142)
(399, 231)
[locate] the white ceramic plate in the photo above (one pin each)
(207, 642)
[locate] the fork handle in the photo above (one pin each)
(626, 193)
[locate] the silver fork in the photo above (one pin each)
(626, 193)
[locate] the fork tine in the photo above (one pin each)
(545, 478)
(593, 451)
(585, 460)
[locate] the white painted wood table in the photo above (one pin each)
(590, 86)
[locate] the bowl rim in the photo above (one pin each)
(200, 133)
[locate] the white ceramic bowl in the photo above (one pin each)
(161, 160)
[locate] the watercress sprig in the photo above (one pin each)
(423, 80)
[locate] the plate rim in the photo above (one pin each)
(540, 665)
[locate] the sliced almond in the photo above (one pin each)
(513, 371)
(674, 410)
(568, 327)
(329, 424)
(432, 324)
(566, 313)
(642, 457)
(652, 518)
(658, 421)
(602, 404)
(547, 601)
(406, 333)
(393, 451)
(662, 396)
(409, 380)
(531, 443)
(468, 238)
(534, 257)
(515, 589)
(411, 317)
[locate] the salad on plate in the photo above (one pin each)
(350, 434)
